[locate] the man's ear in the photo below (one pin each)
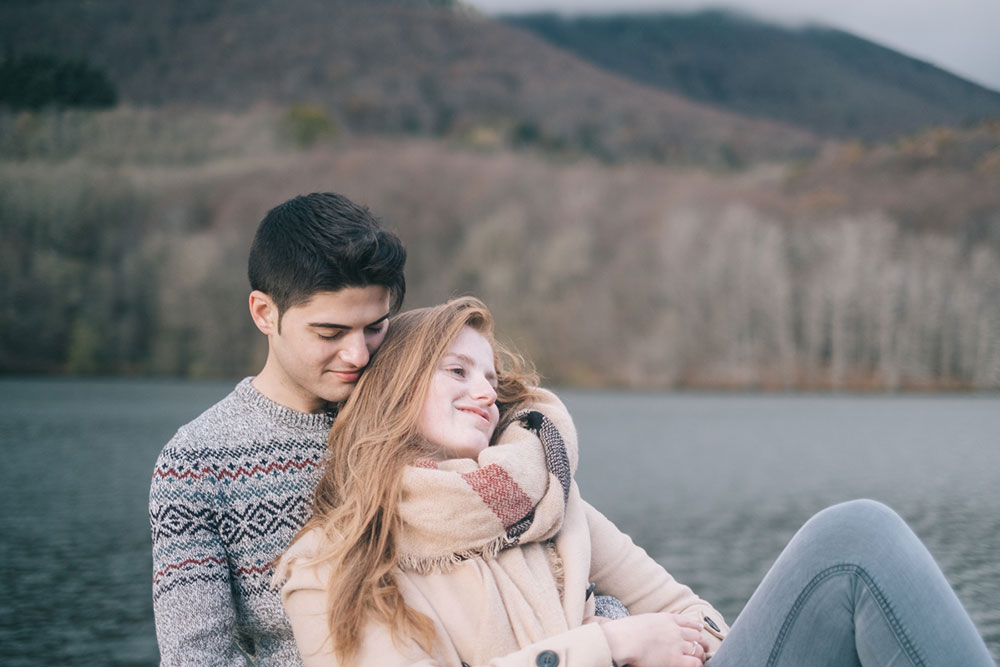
(264, 313)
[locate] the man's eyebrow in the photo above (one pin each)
(344, 327)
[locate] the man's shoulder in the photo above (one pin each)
(550, 405)
(242, 424)
(221, 423)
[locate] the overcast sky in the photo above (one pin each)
(961, 36)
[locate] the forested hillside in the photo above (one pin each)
(124, 251)
(405, 68)
(624, 236)
(823, 80)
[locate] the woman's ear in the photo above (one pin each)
(264, 313)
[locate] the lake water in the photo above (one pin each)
(712, 485)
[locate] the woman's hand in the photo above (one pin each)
(655, 640)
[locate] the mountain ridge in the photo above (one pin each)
(820, 79)
(404, 68)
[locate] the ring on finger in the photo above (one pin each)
(693, 649)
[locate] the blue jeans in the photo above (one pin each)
(854, 587)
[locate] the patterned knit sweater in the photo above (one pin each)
(229, 492)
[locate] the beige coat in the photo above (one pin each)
(507, 610)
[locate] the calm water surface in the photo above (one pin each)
(712, 485)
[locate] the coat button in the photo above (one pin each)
(547, 659)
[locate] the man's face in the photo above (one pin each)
(322, 346)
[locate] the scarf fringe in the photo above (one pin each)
(556, 563)
(447, 562)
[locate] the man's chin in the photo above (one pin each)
(337, 394)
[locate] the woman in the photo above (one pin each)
(440, 539)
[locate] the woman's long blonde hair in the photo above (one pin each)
(373, 438)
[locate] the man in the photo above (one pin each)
(233, 486)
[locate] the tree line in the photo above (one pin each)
(38, 80)
(633, 275)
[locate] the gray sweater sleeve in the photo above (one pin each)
(192, 598)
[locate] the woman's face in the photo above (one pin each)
(459, 412)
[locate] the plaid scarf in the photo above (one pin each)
(515, 493)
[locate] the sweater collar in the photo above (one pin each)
(258, 402)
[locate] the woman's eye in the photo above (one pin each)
(457, 370)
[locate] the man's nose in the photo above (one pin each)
(355, 350)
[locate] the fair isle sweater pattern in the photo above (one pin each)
(228, 493)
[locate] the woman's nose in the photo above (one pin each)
(485, 391)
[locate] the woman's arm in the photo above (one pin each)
(622, 569)
(637, 640)
(583, 647)
(303, 595)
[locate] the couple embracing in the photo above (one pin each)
(417, 506)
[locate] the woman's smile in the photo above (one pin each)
(479, 412)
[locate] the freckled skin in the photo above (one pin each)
(459, 412)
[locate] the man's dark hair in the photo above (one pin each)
(324, 242)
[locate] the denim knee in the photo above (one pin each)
(850, 529)
(862, 513)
